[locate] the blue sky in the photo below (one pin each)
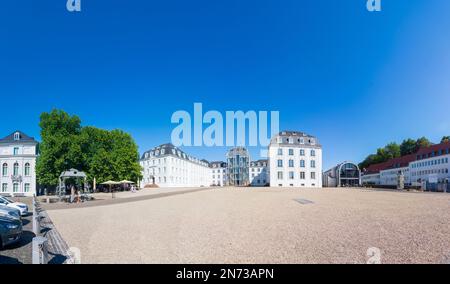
(356, 80)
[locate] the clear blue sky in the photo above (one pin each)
(356, 80)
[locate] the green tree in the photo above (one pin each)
(102, 154)
(445, 139)
(422, 143)
(391, 150)
(408, 147)
(58, 152)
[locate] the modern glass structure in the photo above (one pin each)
(346, 174)
(238, 161)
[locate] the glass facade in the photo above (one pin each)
(349, 175)
(238, 161)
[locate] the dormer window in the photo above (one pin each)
(16, 136)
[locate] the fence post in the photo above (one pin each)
(39, 246)
(36, 226)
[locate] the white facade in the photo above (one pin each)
(390, 177)
(432, 170)
(259, 173)
(168, 166)
(295, 160)
(218, 173)
(371, 179)
(18, 163)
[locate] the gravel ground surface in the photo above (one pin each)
(20, 252)
(263, 226)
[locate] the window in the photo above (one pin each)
(313, 175)
(27, 187)
(27, 169)
(16, 151)
(302, 175)
(302, 163)
(16, 136)
(16, 169)
(280, 152)
(291, 152)
(302, 152)
(291, 163)
(313, 164)
(280, 175)
(280, 163)
(313, 153)
(5, 169)
(16, 187)
(291, 175)
(5, 187)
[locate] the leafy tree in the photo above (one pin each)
(391, 150)
(445, 139)
(102, 154)
(408, 147)
(422, 143)
(57, 149)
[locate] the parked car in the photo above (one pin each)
(10, 230)
(11, 212)
(22, 207)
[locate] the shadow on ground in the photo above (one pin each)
(8, 260)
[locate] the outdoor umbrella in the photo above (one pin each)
(124, 182)
(111, 183)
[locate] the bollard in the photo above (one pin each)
(39, 246)
(36, 225)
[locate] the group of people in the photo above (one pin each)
(75, 195)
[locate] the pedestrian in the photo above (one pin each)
(72, 194)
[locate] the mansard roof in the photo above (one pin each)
(18, 137)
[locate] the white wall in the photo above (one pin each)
(390, 177)
(438, 167)
(218, 176)
(371, 179)
(26, 154)
(171, 171)
(259, 176)
(285, 169)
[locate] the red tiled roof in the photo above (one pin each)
(433, 148)
(391, 164)
(405, 160)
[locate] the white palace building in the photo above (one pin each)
(168, 166)
(18, 161)
(295, 160)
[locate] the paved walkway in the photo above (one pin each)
(102, 199)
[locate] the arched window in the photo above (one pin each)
(27, 169)
(16, 169)
(5, 169)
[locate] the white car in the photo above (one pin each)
(23, 208)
